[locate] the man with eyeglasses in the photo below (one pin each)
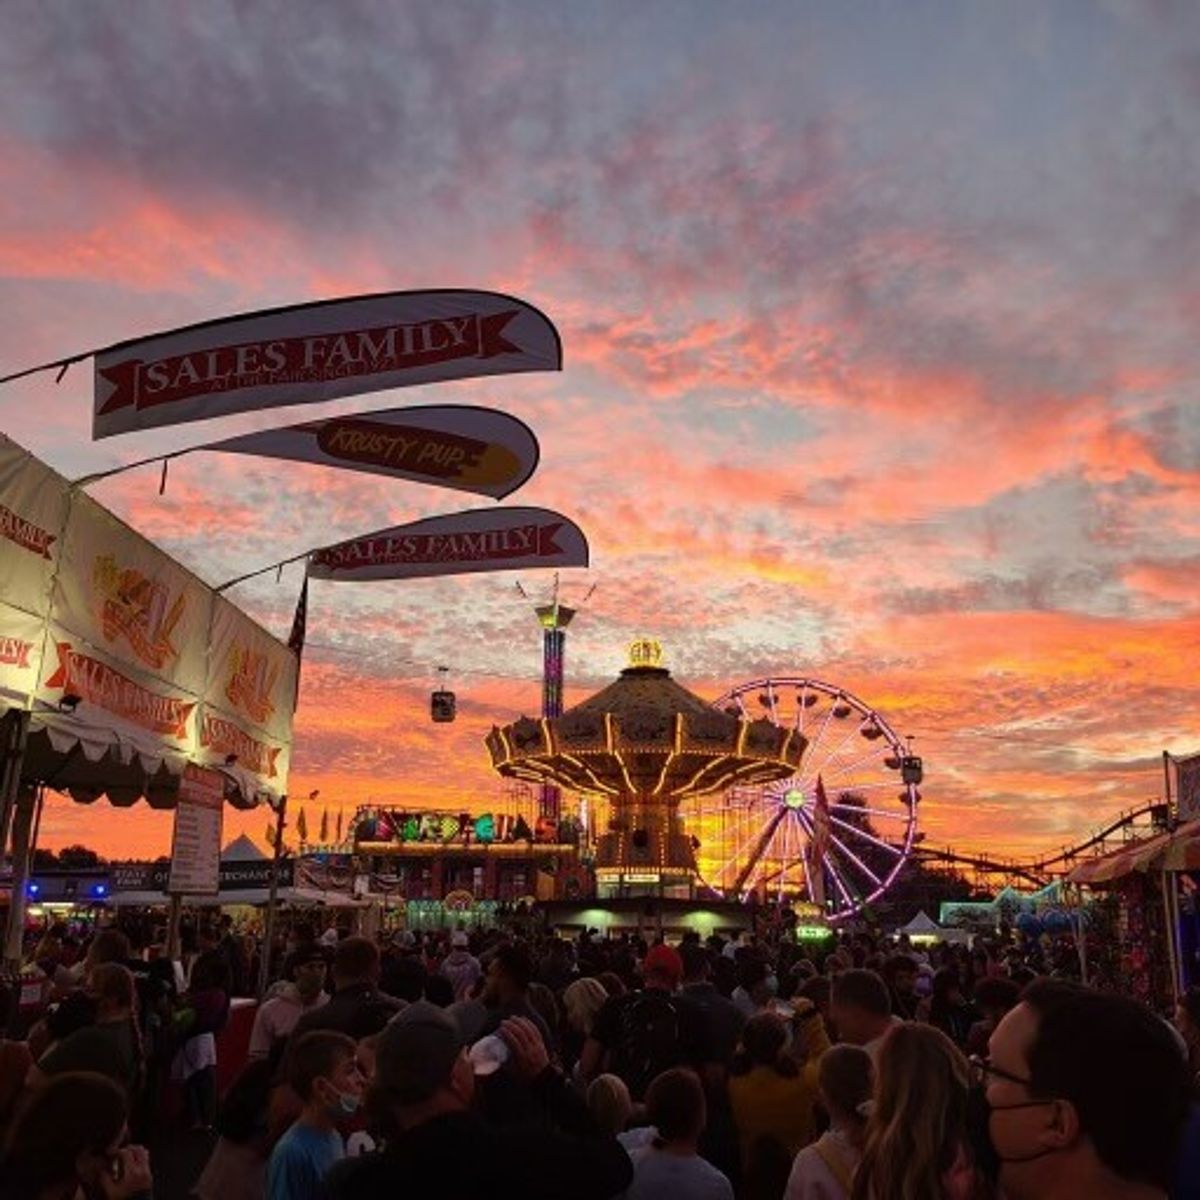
(1084, 1094)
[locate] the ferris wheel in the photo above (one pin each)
(837, 833)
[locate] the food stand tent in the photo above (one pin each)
(118, 666)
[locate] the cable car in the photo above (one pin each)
(443, 707)
(911, 769)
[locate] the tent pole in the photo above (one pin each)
(22, 855)
(264, 958)
(1168, 887)
(15, 724)
(174, 920)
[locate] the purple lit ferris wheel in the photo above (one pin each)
(837, 833)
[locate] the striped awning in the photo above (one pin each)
(1175, 851)
(1183, 854)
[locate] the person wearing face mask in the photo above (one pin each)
(277, 1017)
(1083, 1094)
(70, 1140)
(322, 1069)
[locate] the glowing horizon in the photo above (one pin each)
(879, 339)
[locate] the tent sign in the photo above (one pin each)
(196, 841)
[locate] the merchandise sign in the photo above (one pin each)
(497, 539)
(196, 842)
(454, 446)
(153, 877)
(313, 352)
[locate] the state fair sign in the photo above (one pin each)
(313, 352)
(494, 539)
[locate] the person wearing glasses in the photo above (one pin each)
(1083, 1093)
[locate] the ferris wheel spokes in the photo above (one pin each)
(766, 834)
(862, 833)
(833, 755)
(870, 812)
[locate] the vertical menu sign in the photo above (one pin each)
(196, 842)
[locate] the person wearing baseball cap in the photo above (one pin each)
(442, 1146)
(643, 1033)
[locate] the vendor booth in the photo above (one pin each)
(1154, 927)
(123, 676)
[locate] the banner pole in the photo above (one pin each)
(1167, 787)
(264, 958)
(61, 363)
(84, 480)
(283, 562)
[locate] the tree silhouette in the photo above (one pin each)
(73, 858)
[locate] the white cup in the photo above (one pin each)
(489, 1054)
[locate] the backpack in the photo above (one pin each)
(647, 1041)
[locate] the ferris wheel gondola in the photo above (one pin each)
(837, 833)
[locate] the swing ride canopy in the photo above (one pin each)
(127, 665)
(645, 737)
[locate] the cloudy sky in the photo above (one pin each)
(880, 352)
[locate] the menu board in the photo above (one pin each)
(196, 842)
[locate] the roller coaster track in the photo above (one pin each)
(1042, 871)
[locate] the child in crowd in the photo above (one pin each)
(322, 1068)
(671, 1165)
(825, 1170)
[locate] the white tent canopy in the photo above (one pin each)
(922, 925)
(242, 849)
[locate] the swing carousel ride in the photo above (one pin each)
(788, 788)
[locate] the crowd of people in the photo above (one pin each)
(490, 1063)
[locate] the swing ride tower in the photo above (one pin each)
(554, 619)
(642, 744)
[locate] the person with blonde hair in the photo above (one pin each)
(825, 1170)
(581, 1001)
(917, 1132)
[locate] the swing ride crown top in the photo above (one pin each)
(645, 743)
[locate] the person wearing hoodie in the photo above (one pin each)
(277, 1017)
(460, 966)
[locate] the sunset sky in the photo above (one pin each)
(880, 339)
